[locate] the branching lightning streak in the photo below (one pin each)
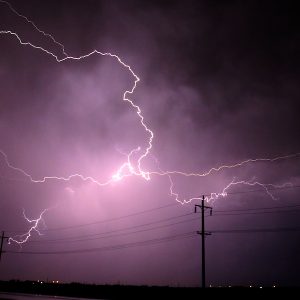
(21, 239)
(215, 196)
(35, 27)
(125, 170)
(252, 182)
(222, 167)
(44, 179)
(127, 165)
(131, 167)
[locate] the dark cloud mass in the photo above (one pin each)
(219, 84)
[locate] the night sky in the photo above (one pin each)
(219, 84)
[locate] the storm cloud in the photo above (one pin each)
(218, 84)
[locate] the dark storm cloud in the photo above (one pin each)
(219, 84)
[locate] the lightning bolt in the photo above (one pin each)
(127, 165)
(214, 196)
(252, 182)
(21, 239)
(224, 193)
(35, 27)
(133, 164)
(223, 167)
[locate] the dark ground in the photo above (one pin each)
(133, 292)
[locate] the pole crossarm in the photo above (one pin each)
(205, 207)
(205, 233)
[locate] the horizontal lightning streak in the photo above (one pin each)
(44, 179)
(222, 167)
(214, 196)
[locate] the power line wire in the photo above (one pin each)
(258, 208)
(158, 241)
(103, 221)
(104, 235)
(253, 211)
(158, 208)
(144, 224)
(111, 236)
(258, 230)
(257, 213)
(112, 219)
(153, 209)
(114, 247)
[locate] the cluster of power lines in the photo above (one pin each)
(158, 224)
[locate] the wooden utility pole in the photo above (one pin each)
(203, 234)
(3, 237)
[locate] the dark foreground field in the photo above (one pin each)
(97, 291)
(126, 292)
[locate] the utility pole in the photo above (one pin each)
(203, 234)
(3, 237)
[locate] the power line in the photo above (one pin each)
(159, 240)
(154, 209)
(71, 240)
(257, 230)
(140, 225)
(253, 211)
(115, 247)
(163, 207)
(164, 220)
(103, 235)
(105, 220)
(257, 212)
(258, 208)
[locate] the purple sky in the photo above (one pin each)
(219, 85)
